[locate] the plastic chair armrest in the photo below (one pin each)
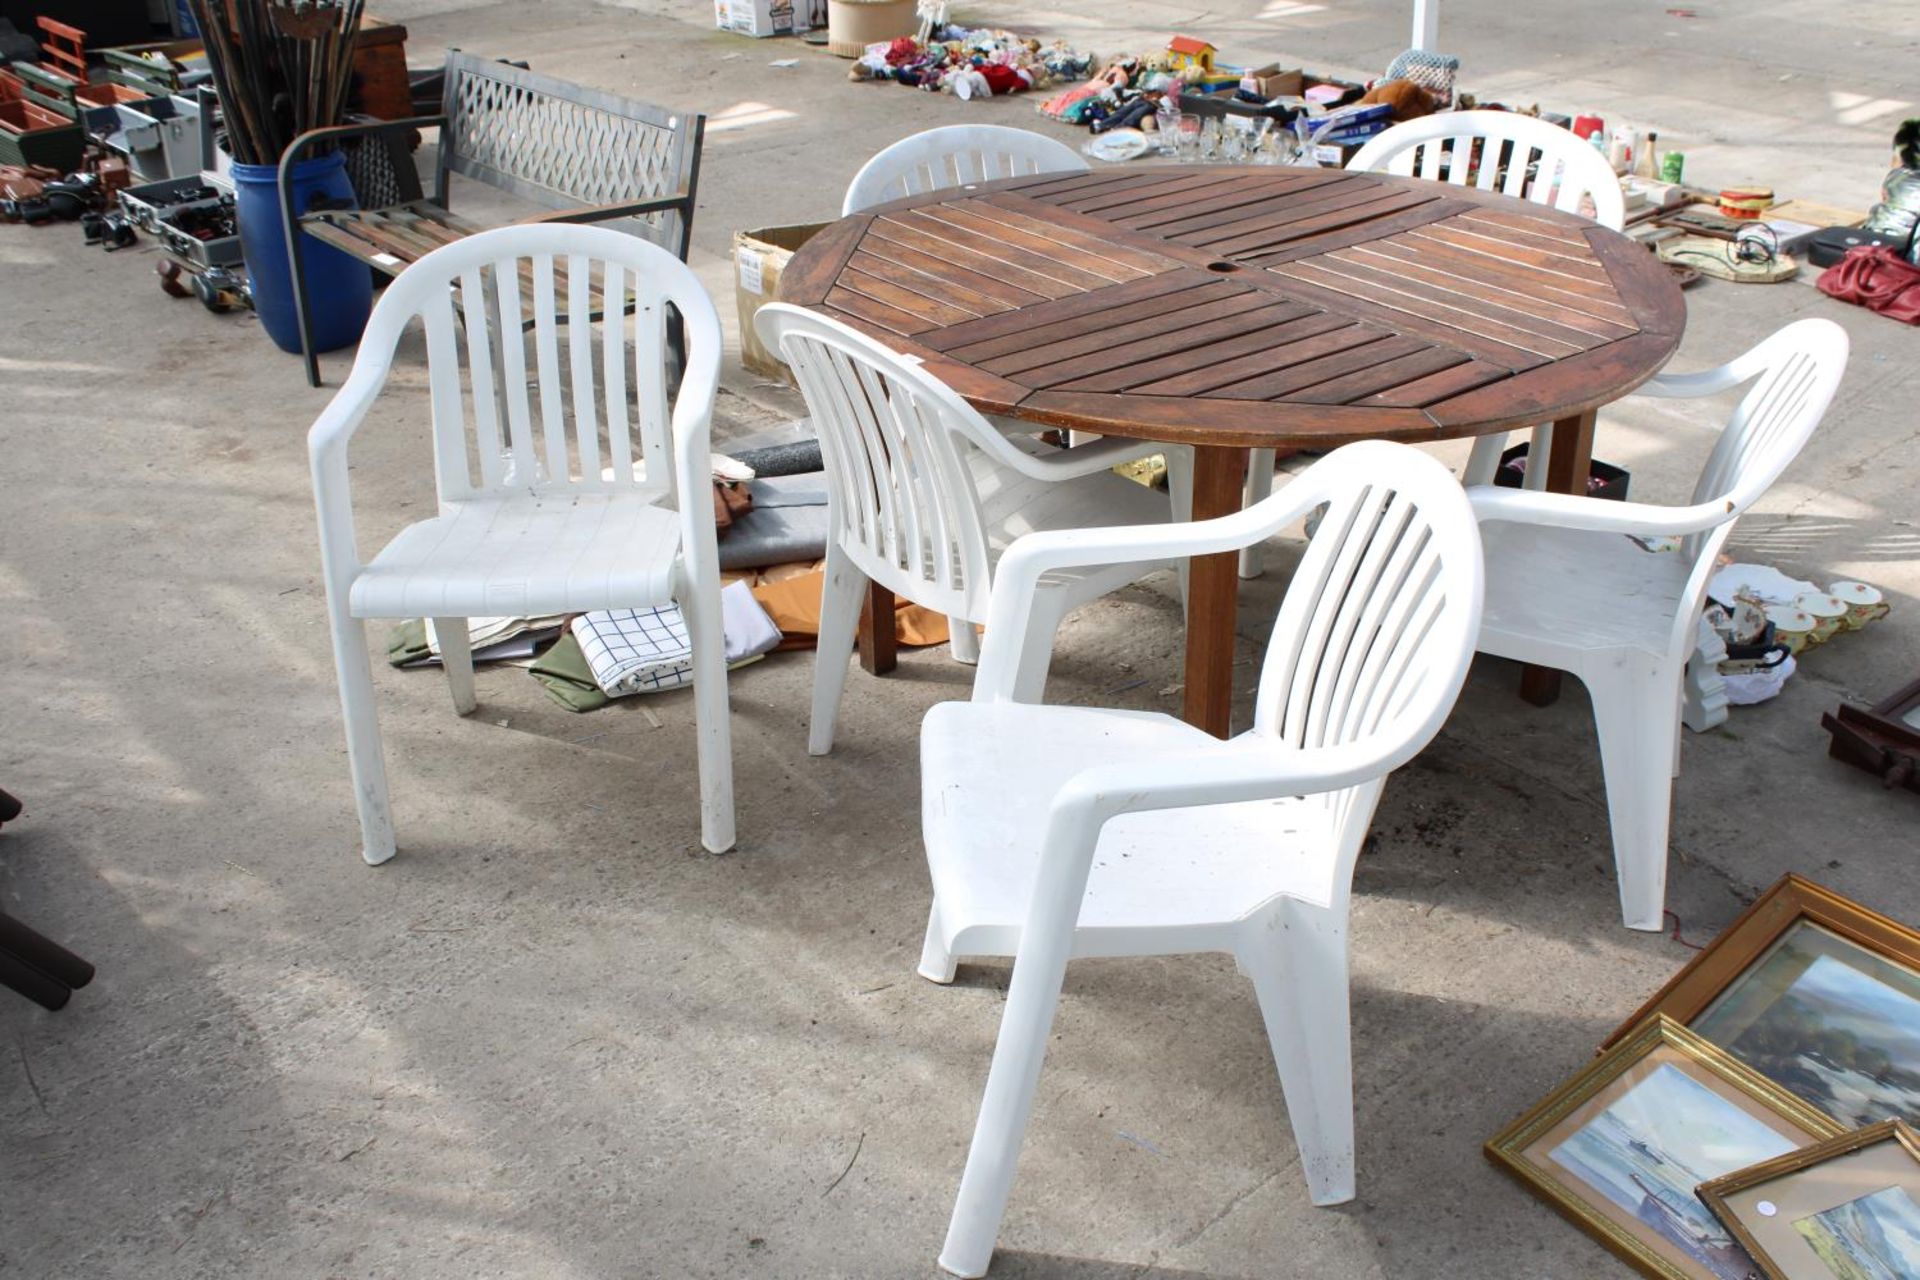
(1084, 459)
(332, 486)
(344, 413)
(1687, 386)
(1250, 767)
(1032, 557)
(1597, 515)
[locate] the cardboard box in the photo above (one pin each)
(1270, 82)
(759, 257)
(761, 17)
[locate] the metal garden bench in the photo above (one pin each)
(587, 155)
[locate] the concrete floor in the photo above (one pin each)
(554, 1039)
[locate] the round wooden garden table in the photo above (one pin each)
(1236, 308)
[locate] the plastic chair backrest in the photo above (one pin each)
(1562, 167)
(1795, 374)
(895, 441)
(1377, 628)
(953, 156)
(585, 429)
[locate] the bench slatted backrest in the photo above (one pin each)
(565, 146)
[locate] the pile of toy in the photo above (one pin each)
(972, 63)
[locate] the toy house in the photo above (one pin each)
(1189, 58)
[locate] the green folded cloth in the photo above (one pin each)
(407, 642)
(567, 678)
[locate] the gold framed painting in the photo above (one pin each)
(1844, 1209)
(1620, 1148)
(1815, 992)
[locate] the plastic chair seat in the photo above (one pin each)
(1163, 882)
(525, 554)
(1576, 589)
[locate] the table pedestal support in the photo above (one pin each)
(1568, 463)
(1213, 594)
(879, 644)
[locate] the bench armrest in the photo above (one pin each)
(601, 213)
(302, 146)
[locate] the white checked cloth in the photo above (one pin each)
(646, 650)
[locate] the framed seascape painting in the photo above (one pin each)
(1620, 1148)
(1818, 994)
(1845, 1209)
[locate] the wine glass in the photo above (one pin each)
(1186, 138)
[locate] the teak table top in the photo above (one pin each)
(1250, 307)
(1237, 308)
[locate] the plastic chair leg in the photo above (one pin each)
(839, 617)
(713, 728)
(456, 655)
(1635, 712)
(1538, 452)
(936, 962)
(963, 641)
(353, 667)
(1296, 958)
(1032, 997)
(1259, 485)
(1180, 497)
(1045, 612)
(1484, 461)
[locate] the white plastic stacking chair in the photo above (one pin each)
(923, 496)
(540, 509)
(1059, 832)
(953, 156)
(1543, 163)
(1517, 156)
(1568, 587)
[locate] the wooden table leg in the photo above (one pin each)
(879, 647)
(1213, 594)
(1568, 465)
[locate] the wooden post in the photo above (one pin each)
(1426, 24)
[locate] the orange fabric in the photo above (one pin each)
(792, 599)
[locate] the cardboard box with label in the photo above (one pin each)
(762, 17)
(759, 258)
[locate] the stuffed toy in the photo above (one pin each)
(1409, 100)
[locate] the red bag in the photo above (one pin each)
(1878, 279)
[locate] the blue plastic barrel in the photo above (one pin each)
(339, 289)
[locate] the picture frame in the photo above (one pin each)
(1620, 1147)
(1883, 739)
(1846, 1208)
(1816, 992)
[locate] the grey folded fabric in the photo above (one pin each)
(788, 523)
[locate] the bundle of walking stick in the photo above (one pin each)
(281, 67)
